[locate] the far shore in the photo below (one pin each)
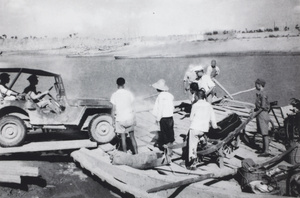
(157, 48)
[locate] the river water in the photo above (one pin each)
(94, 77)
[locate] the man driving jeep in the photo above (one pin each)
(38, 97)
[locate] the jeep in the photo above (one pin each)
(21, 115)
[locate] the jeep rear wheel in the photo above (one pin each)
(101, 129)
(12, 131)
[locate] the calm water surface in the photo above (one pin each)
(94, 77)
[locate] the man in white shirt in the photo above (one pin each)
(202, 115)
(5, 93)
(204, 81)
(123, 100)
(213, 70)
(163, 111)
(189, 77)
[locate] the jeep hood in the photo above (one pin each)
(90, 102)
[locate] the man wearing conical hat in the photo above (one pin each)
(163, 111)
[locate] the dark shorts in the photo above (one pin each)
(166, 130)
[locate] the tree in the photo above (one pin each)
(297, 27)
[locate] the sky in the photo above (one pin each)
(132, 18)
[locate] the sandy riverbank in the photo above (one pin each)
(262, 43)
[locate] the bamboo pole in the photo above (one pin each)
(181, 183)
(223, 88)
(244, 91)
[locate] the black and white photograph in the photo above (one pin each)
(140, 98)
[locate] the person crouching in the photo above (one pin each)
(202, 115)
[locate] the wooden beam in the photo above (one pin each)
(19, 170)
(10, 179)
(49, 146)
(181, 183)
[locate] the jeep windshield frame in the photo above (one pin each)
(58, 80)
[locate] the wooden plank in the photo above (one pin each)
(28, 171)
(49, 146)
(10, 179)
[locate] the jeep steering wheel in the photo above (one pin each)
(50, 94)
(50, 88)
(54, 101)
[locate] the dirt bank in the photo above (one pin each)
(282, 45)
(262, 43)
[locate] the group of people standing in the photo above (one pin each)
(202, 116)
(123, 102)
(163, 110)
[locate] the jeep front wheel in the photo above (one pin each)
(12, 131)
(101, 129)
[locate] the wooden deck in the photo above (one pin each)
(140, 182)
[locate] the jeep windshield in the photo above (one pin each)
(19, 76)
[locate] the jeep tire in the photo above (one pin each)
(12, 131)
(101, 128)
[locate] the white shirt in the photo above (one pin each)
(164, 106)
(202, 115)
(205, 82)
(189, 76)
(212, 72)
(4, 91)
(123, 101)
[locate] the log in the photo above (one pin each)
(181, 183)
(10, 179)
(49, 146)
